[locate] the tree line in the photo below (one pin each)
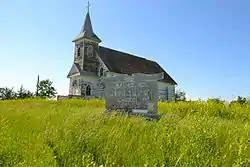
(181, 96)
(44, 90)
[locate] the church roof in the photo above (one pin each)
(74, 69)
(124, 63)
(87, 30)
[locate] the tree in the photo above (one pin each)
(45, 89)
(241, 100)
(20, 92)
(7, 94)
(24, 94)
(216, 100)
(180, 96)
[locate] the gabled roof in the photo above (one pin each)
(87, 31)
(74, 69)
(124, 63)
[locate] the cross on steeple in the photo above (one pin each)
(88, 6)
(87, 30)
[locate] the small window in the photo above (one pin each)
(78, 52)
(90, 51)
(88, 90)
(101, 72)
(167, 98)
(74, 83)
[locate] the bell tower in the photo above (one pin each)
(86, 47)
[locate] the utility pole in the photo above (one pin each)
(37, 85)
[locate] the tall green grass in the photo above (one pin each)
(79, 133)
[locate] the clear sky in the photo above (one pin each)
(203, 44)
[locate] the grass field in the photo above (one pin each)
(79, 133)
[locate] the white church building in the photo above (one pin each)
(93, 61)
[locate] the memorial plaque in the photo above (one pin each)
(132, 92)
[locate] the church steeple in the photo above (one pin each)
(87, 26)
(87, 30)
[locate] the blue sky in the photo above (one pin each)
(204, 45)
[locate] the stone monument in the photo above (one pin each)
(136, 93)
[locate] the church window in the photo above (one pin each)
(167, 93)
(79, 82)
(88, 90)
(74, 83)
(101, 72)
(90, 51)
(79, 52)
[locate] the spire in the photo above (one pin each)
(87, 26)
(87, 30)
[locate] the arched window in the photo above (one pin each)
(79, 52)
(88, 90)
(90, 51)
(101, 72)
